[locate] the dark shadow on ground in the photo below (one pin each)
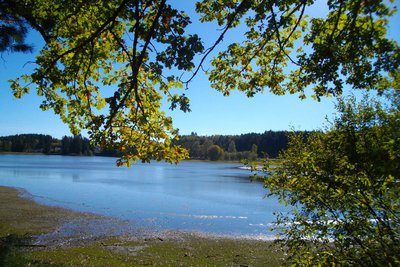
(12, 252)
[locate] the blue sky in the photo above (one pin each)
(212, 113)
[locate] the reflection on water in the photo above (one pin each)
(192, 196)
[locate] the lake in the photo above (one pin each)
(211, 198)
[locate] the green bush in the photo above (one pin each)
(344, 184)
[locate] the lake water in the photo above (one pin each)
(213, 198)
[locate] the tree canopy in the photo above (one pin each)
(107, 65)
(347, 45)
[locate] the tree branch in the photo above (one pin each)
(220, 38)
(90, 39)
(136, 67)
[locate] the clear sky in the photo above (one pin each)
(212, 113)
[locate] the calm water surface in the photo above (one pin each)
(215, 198)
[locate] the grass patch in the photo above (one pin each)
(211, 252)
(193, 252)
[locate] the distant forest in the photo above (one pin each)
(236, 147)
(46, 144)
(216, 147)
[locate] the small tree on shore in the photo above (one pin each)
(215, 152)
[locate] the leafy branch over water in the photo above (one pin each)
(106, 66)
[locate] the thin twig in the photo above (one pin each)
(220, 38)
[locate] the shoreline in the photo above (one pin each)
(113, 226)
(94, 155)
(35, 234)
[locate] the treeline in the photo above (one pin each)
(236, 147)
(46, 144)
(76, 145)
(249, 146)
(30, 143)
